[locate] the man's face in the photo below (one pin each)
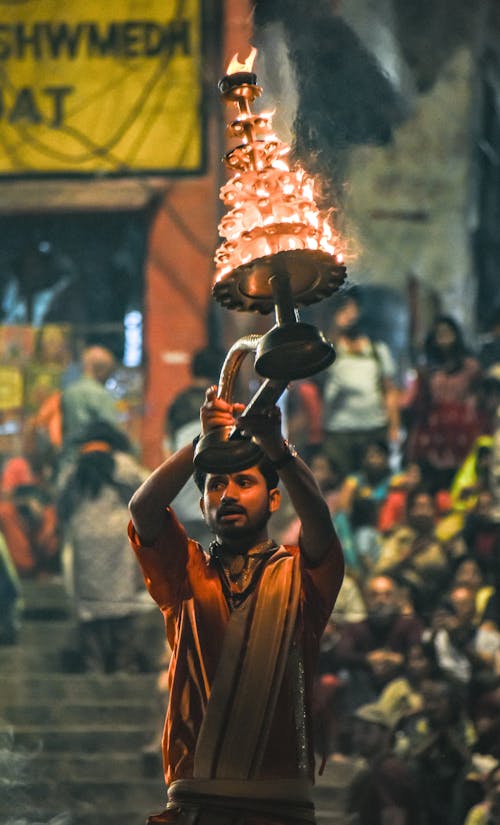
(421, 515)
(445, 336)
(238, 505)
(381, 601)
(381, 592)
(375, 463)
(468, 575)
(464, 605)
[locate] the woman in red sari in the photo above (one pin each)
(445, 415)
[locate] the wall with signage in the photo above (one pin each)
(108, 87)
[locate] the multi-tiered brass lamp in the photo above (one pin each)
(279, 252)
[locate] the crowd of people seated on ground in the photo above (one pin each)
(408, 685)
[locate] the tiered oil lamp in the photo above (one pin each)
(280, 251)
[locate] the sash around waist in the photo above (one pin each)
(286, 797)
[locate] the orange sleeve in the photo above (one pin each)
(164, 563)
(321, 585)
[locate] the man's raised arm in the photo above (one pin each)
(148, 504)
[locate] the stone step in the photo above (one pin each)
(23, 688)
(89, 713)
(32, 659)
(47, 799)
(82, 738)
(47, 633)
(47, 599)
(116, 767)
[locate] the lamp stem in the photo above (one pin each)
(284, 308)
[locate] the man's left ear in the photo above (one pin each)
(274, 500)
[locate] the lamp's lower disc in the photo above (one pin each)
(313, 275)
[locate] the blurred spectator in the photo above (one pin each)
(482, 537)
(350, 605)
(403, 696)
(304, 414)
(107, 585)
(28, 522)
(383, 792)
(487, 812)
(371, 482)
(445, 418)
(361, 497)
(10, 597)
(474, 475)
(464, 652)
(360, 403)
(86, 400)
(468, 574)
(328, 704)
(485, 713)
(414, 555)
(393, 510)
(372, 650)
(438, 747)
(182, 424)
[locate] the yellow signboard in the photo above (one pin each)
(100, 86)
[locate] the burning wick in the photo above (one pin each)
(239, 74)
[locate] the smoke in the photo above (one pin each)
(16, 775)
(343, 94)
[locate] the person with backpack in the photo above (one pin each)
(360, 399)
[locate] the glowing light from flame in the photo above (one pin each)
(235, 65)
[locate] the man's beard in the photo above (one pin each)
(230, 531)
(382, 617)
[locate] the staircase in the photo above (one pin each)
(71, 743)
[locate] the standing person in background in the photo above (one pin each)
(360, 402)
(86, 400)
(445, 417)
(107, 586)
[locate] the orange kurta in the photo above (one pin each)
(188, 590)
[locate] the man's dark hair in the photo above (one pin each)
(264, 465)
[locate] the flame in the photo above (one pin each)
(235, 65)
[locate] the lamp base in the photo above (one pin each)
(292, 351)
(225, 450)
